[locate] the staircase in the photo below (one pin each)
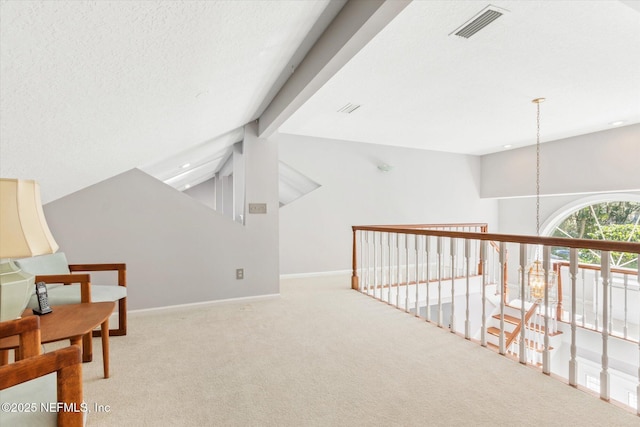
(534, 330)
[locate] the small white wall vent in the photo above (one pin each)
(349, 108)
(483, 18)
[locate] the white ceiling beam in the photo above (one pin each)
(357, 23)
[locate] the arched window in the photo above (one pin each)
(614, 219)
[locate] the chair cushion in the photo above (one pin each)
(39, 390)
(45, 264)
(70, 294)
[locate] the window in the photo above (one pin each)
(609, 220)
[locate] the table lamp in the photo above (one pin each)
(23, 233)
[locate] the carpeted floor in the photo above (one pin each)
(320, 355)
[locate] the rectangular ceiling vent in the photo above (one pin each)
(485, 17)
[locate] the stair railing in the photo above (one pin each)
(620, 297)
(420, 267)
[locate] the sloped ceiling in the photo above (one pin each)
(419, 86)
(91, 89)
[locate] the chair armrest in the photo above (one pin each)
(38, 366)
(121, 268)
(28, 328)
(66, 362)
(67, 279)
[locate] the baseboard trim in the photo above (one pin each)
(315, 274)
(205, 303)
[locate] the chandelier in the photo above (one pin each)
(537, 280)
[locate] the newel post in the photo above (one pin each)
(483, 229)
(354, 263)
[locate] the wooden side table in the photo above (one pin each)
(73, 322)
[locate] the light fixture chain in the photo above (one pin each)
(538, 169)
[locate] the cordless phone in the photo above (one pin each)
(43, 299)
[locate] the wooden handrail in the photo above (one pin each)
(597, 267)
(604, 245)
(516, 330)
(482, 225)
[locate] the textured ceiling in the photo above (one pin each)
(419, 87)
(91, 89)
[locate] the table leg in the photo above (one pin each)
(87, 348)
(105, 346)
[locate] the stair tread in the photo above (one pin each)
(507, 318)
(531, 345)
(495, 331)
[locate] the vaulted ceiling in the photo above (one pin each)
(91, 89)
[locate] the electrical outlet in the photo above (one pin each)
(257, 208)
(239, 273)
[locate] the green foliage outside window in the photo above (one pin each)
(618, 221)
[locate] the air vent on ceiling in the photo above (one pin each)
(485, 17)
(349, 108)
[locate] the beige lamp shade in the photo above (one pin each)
(23, 233)
(23, 229)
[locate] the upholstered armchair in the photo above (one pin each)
(69, 284)
(40, 379)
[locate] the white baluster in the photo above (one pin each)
(483, 258)
(503, 283)
(398, 273)
(604, 374)
(523, 326)
(467, 262)
(440, 266)
(406, 289)
(362, 278)
(366, 239)
(375, 263)
(382, 266)
(453, 246)
(546, 265)
(573, 272)
(610, 321)
(597, 305)
(626, 305)
(427, 251)
(584, 298)
(417, 248)
(638, 386)
(390, 249)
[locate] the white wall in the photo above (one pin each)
(593, 165)
(423, 187)
(177, 250)
(205, 192)
(597, 162)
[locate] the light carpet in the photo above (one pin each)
(321, 354)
